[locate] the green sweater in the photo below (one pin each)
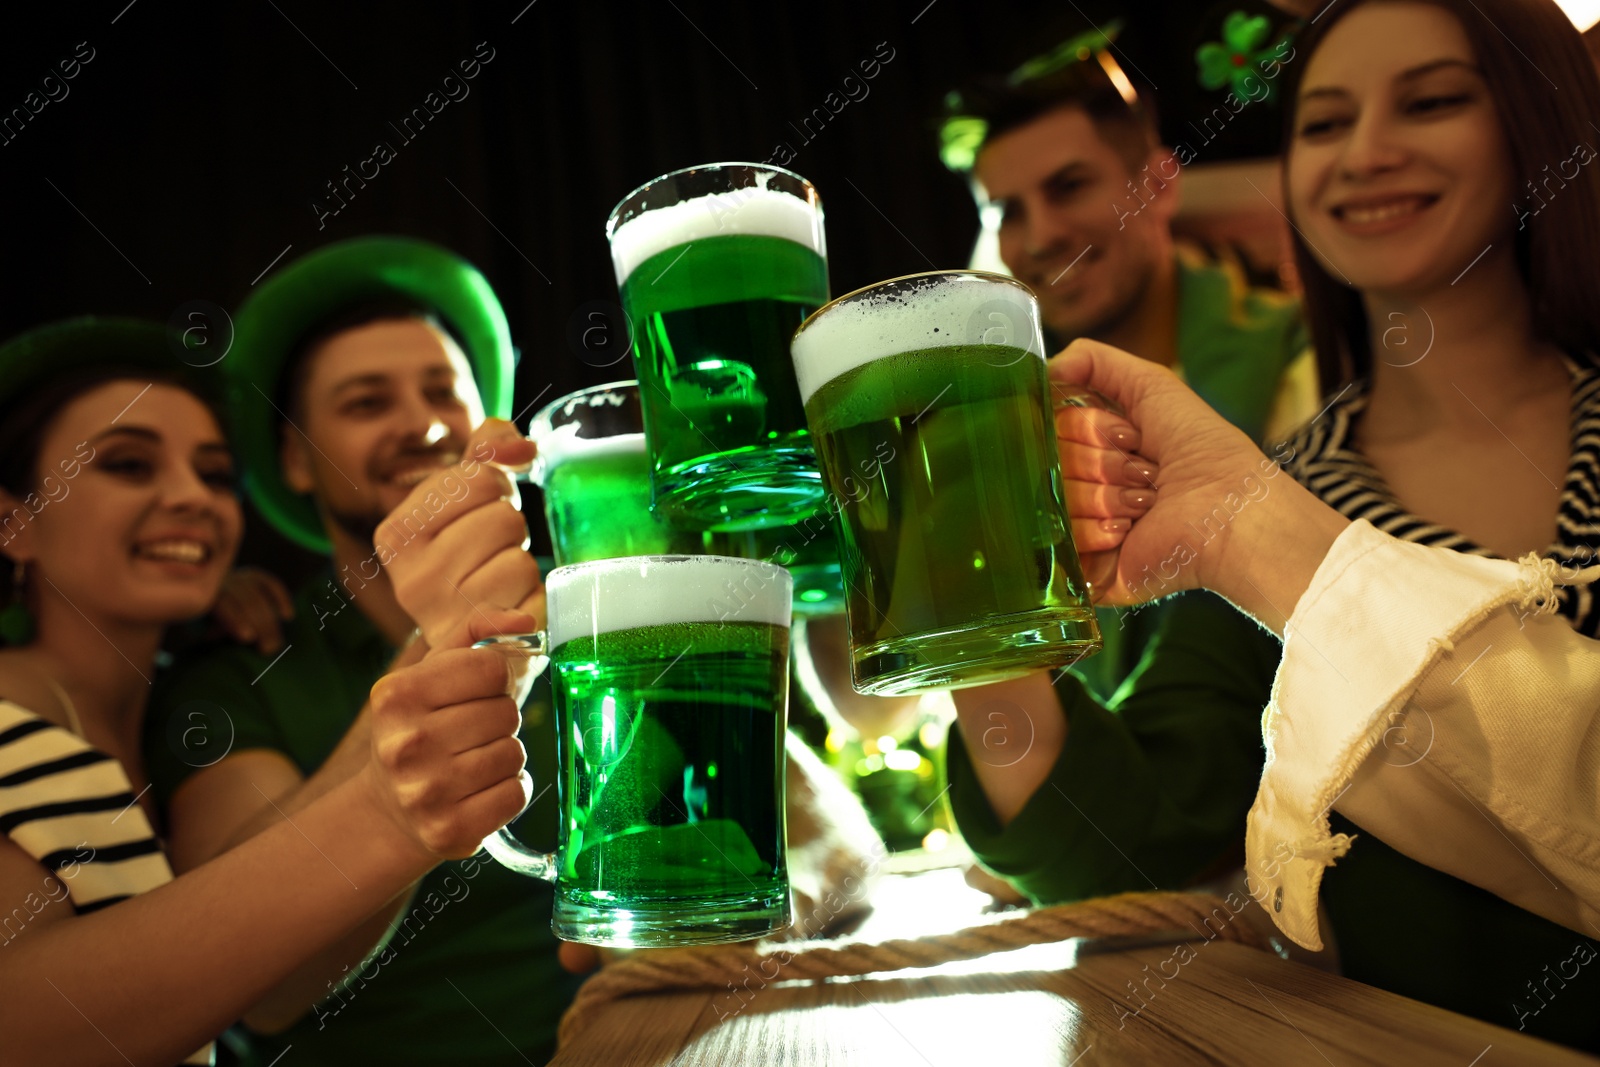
(469, 975)
(1234, 344)
(1151, 792)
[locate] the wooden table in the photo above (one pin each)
(1049, 1004)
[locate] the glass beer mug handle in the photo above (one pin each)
(510, 852)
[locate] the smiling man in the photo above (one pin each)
(1065, 159)
(360, 377)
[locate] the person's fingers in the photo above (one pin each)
(440, 501)
(1097, 428)
(480, 478)
(1122, 378)
(257, 613)
(1099, 535)
(578, 959)
(535, 604)
(1091, 500)
(438, 583)
(1100, 571)
(244, 614)
(231, 615)
(268, 637)
(1086, 463)
(502, 758)
(472, 540)
(499, 442)
(475, 723)
(505, 580)
(279, 593)
(448, 676)
(457, 830)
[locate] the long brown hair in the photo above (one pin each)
(1523, 47)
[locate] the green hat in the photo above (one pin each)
(314, 288)
(46, 354)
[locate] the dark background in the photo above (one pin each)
(188, 152)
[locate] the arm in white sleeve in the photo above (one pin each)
(1434, 700)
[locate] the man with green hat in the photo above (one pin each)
(357, 373)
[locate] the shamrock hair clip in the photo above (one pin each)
(1239, 61)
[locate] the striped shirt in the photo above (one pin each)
(70, 807)
(1325, 460)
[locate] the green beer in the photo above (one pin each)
(595, 474)
(717, 266)
(670, 680)
(928, 403)
(809, 550)
(669, 736)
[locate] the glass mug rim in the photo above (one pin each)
(571, 571)
(905, 279)
(613, 220)
(545, 414)
(541, 426)
(775, 582)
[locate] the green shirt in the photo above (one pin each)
(469, 975)
(1151, 792)
(1234, 344)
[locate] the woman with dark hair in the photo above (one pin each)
(118, 517)
(1436, 169)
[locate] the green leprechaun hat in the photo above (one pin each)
(58, 350)
(306, 293)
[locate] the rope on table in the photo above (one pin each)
(1128, 914)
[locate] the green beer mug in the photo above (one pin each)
(595, 478)
(929, 408)
(717, 265)
(670, 677)
(808, 549)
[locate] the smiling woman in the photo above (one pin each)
(1456, 123)
(99, 447)
(88, 901)
(1412, 129)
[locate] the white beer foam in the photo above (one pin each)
(755, 211)
(563, 443)
(938, 312)
(588, 599)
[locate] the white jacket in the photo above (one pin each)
(1434, 700)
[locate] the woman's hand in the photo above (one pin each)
(1209, 509)
(252, 608)
(446, 759)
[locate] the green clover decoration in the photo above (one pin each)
(1239, 57)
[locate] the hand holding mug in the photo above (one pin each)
(458, 542)
(446, 759)
(1220, 514)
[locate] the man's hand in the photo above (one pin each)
(252, 607)
(447, 763)
(458, 544)
(1216, 512)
